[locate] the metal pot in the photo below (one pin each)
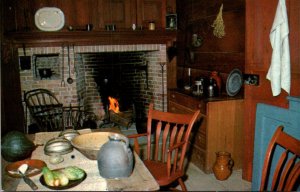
(69, 134)
(58, 145)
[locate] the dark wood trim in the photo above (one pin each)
(36, 39)
(12, 115)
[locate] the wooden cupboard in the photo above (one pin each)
(19, 14)
(121, 13)
(219, 127)
(151, 10)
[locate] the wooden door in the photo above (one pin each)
(121, 13)
(78, 13)
(259, 19)
(151, 10)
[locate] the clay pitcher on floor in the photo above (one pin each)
(223, 165)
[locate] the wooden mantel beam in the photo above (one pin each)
(44, 39)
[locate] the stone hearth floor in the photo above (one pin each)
(197, 180)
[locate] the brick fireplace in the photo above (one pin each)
(84, 69)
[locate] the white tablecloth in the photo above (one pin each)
(140, 179)
(93, 181)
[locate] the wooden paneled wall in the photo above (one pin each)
(220, 54)
(259, 20)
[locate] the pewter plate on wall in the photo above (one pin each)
(234, 82)
(49, 19)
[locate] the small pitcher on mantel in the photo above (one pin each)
(223, 165)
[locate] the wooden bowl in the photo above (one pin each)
(90, 143)
(34, 167)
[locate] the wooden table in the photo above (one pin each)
(139, 180)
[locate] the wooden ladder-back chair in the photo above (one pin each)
(166, 153)
(287, 170)
(45, 109)
(77, 118)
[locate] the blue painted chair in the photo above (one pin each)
(286, 175)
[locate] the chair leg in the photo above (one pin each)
(182, 185)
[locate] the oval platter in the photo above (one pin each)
(49, 19)
(234, 82)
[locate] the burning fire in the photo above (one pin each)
(113, 104)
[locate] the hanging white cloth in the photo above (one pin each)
(279, 72)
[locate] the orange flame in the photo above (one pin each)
(113, 104)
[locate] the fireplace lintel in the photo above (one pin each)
(84, 38)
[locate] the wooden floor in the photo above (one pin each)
(197, 180)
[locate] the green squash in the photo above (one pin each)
(16, 146)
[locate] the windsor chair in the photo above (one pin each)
(165, 156)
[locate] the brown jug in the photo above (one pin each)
(223, 165)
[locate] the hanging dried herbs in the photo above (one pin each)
(218, 25)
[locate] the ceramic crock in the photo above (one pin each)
(115, 158)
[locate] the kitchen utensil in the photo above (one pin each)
(74, 60)
(223, 165)
(234, 82)
(49, 19)
(115, 158)
(34, 167)
(25, 61)
(151, 25)
(199, 85)
(89, 144)
(216, 76)
(62, 67)
(69, 80)
(45, 72)
(89, 27)
(58, 145)
(69, 134)
(55, 159)
(70, 28)
(212, 89)
(22, 170)
(72, 183)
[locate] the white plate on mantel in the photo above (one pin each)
(49, 19)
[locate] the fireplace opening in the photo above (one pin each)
(122, 76)
(121, 118)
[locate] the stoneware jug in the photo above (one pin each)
(115, 159)
(223, 165)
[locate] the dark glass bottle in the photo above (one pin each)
(212, 88)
